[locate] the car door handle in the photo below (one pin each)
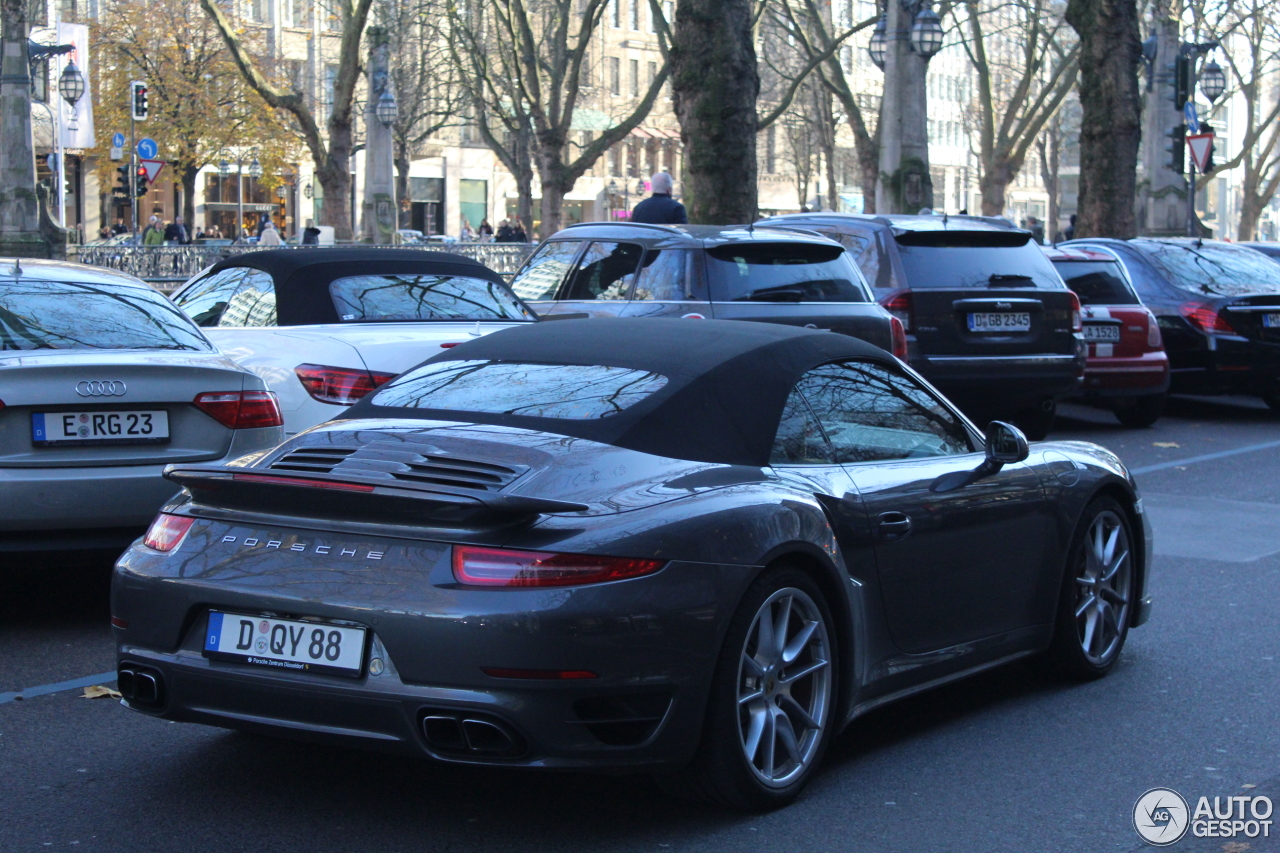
(893, 525)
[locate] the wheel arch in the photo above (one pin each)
(1123, 494)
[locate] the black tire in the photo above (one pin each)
(721, 771)
(1087, 597)
(1141, 411)
(1035, 423)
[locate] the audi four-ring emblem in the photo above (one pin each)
(100, 388)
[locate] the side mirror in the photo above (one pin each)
(1005, 444)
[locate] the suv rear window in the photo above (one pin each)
(70, 315)
(963, 260)
(404, 296)
(1096, 282)
(783, 272)
(1216, 270)
(564, 391)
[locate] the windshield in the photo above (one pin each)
(71, 315)
(405, 296)
(566, 391)
(1215, 269)
(975, 260)
(1096, 282)
(783, 272)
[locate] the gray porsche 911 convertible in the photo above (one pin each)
(696, 549)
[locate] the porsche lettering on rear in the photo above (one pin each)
(332, 550)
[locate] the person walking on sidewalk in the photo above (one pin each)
(660, 208)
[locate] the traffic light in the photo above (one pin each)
(140, 187)
(1205, 127)
(1183, 80)
(1177, 147)
(121, 190)
(138, 100)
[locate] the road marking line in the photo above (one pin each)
(87, 681)
(1208, 457)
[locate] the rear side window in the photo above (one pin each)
(868, 250)
(564, 391)
(236, 296)
(799, 440)
(1097, 282)
(606, 271)
(403, 296)
(540, 277)
(1215, 270)
(783, 272)
(970, 260)
(37, 315)
(663, 275)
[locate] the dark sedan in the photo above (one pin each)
(692, 549)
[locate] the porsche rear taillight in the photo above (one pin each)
(898, 333)
(241, 409)
(167, 531)
(1154, 341)
(499, 567)
(898, 304)
(341, 386)
(1205, 318)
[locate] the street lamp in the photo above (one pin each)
(640, 187)
(71, 87)
(924, 37)
(1213, 82)
(877, 46)
(612, 189)
(387, 108)
(926, 32)
(255, 169)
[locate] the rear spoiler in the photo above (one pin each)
(353, 497)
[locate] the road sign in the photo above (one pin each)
(1200, 145)
(152, 168)
(1193, 120)
(117, 141)
(147, 148)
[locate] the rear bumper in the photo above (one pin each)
(1003, 381)
(1126, 377)
(1227, 365)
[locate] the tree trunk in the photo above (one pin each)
(335, 177)
(1250, 213)
(405, 216)
(868, 152)
(715, 84)
(189, 175)
(1049, 148)
(993, 185)
(556, 179)
(1111, 122)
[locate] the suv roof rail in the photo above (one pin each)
(667, 228)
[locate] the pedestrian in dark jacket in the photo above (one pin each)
(176, 233)
(660, 208)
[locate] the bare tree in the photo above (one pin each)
(330, 150)
(1049, 147)
(1025, 65)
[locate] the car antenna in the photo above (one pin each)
(1200, 241)
(17, 267)
(944, 219)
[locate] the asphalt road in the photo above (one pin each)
(1010, 760)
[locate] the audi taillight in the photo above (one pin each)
(167, 531)
(339, 385)
(898, 304)
(1205, 318)
(241, 409)
(1154, 341)
(497, 567)
(1077, 321)
(898, 334)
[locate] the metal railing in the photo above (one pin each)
(166, 267)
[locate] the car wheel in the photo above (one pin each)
(1141, 411)
(770, 712)
(1095, 604)
(1036, 422)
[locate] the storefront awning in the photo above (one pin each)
(655, 133)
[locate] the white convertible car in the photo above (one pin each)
(324, 327)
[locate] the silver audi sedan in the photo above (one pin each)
(102, 383)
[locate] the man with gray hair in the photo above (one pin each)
(660, 208)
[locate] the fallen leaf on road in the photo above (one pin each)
(97, 691)
(1165, 444)
(1248, 786)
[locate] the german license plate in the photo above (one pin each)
(1271, 321)
(50, 429)
(286, 644)
(1102, 332)
(1000, 321)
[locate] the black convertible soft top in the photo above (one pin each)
(727, 381)
(302, 276)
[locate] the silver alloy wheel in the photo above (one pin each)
(1103, 584)
(784, 687)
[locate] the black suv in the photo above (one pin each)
(988, 319)
(1218, 305)
(772, 275)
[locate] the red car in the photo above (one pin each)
(1127, 370)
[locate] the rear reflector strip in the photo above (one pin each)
(538, 674)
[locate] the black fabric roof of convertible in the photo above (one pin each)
(302, 276)
(727, 380)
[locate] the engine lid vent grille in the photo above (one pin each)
(317, 460)
(393, 460)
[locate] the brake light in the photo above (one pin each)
(167, 531)
(1205, 318)
(1077, 322)
(1154, 341)
(449, 345)
(339, 385)
(898, 304)
(494, 567)
(899, 337)
(241, 409)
